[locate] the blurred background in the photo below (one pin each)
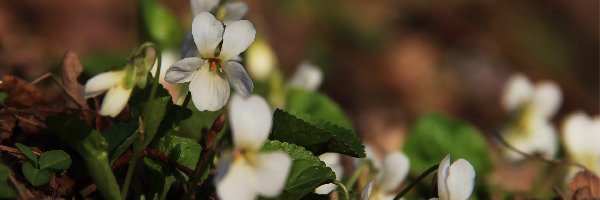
(386, 62)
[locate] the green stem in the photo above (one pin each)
(350, 182)
(412, 184)
(145, 139)
(342, 190)
(102, 175)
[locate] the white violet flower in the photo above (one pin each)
(331, 160)
(393, 171)
(531, 107)
(232, 11)
(117, 89)
(581, 134)
(248, 172)
(211, 74)
(307, 76)
(456, 181)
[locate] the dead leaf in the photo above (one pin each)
(21, 94)
(585, 185)
(71, 70)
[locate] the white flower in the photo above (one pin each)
(231, 12)
(168, 57)
(392, 173)
(531, 107)
(307, 76)
(261, 60)
(456, 181)
(117, 90)
(331, 160)
(211, 74)
(249, 172)
(581, 135)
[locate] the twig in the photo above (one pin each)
(127, 156)
(558, 192)
(16, 151)
(538, 158)
(57, 82)
(205, 155)
(412, 184)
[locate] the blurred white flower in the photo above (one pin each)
(456, 181)
(393, 171)
(331, 160)
(168, 57)
(211, 74)
(581, 135)
(249, 172)
(307, 76)
(231, 11)
(261, 61)
(117, 89)
(531, 108)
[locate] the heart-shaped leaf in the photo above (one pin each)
(36, 176)
(55, 160)
(28, 153)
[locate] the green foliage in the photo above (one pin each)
(28, 153)
(3, 96)
(36, 176)
(92, 147)
(39, 171)
(6, 191)
(161, 25)
(307, 171)
(179, 149)
(316, 105)
(119, 137)
(55, 160)
(434, 136)
(198, 122)
(316, 136)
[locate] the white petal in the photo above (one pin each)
(238, 183)
(102, 82)
(517, 91)
(237, 37)
(234, 11)
(238, 78)
(272, 171)
(210, 91)
(395, 169)
(307, 76)
(366, 192)
(250, 119)
(115, 100)
(461, 179)
(544, 138)
(326, 188)
(199, 6)
(208, 33)
(442, 175)
(183, 71)
(546, 99)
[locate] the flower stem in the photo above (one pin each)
(143, 139)
(412, 184)
(357, 172)
(342, 190)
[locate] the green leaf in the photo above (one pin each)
(315, 135)
(56, 160)
(119, 137)
(6, 190)
(90, 144)
(199, 122)
(182, 150)
(3, 96)
(434, 136)
(36, 176)
(307, 172)
(317, 105)
(28, 153)
(161, 25)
